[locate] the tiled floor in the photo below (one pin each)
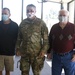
(45, 71)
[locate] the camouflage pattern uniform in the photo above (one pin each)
(32, 39)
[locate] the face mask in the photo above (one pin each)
(5, 17)
(30, 15)
(63, 18)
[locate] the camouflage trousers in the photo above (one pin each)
(36, 63)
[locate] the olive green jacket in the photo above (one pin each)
(32, 37)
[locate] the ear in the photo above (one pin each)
(35, 11)
(68, 18)
(9, 15)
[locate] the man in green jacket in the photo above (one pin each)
(32, 42)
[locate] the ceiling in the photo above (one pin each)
(63, 1)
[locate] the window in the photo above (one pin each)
(15, 9)
(50, 13)
(71, 12)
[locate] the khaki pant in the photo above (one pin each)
(6, 62)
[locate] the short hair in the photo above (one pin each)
(6, 9)
(31, 5)
(66, 11)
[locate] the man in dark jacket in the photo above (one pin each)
(8, 37)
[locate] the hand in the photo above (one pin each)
(41, 54)
(18, 52)
(73, 58)
(49, 56)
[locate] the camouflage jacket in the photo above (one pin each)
(32, 36)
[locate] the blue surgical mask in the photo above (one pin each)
(63, 18)
(5, 17)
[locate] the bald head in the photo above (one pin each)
(63, 13)
(63, 16)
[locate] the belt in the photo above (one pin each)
(62, 54)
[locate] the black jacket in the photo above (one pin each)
(8, 37)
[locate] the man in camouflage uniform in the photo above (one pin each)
(32, 42)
